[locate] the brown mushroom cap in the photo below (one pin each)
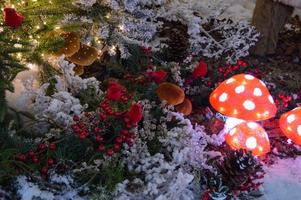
(171, 93)
(85, 56)
(185, 107)
(79, 70)
(71, 45)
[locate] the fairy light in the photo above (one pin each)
(57, 27)
(37, 27)
(121, 27)
(108, 16)
(44, 23)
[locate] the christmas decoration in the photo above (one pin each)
(245, 97)
(290, 125)
(85, 56)
(249, 136)
(110, 100)
(185, 107)
(171, 93)
(71, 44)
(157, 76)
(12, 18)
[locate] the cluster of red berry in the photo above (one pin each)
(283, 100)
(110, 126)
(40, 156)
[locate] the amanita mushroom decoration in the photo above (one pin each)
(290, 124)
(171, 93)
(245, 97)
(250, 136)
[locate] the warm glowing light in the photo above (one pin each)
(243, 96)
(121, 27)
(250, 136)
(290, 124)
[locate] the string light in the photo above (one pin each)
(121, 27)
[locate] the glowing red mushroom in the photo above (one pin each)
(245, 97)
(290, 124)
(250, 136)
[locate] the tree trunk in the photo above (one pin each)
(269, 18)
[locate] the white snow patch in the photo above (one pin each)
(283, 180)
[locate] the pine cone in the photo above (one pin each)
(239, 170)
(177, 40)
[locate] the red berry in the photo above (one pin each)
(50, 161)
(129, 141)
(42, 147)
(101, 147)
(97, 130)
(52, 146)
(110, 152)
(102, 117)
(44, 170)
(116, 147)
(35, 159)
(124, 132)
(99, 138)
(21, 157)
(31, 153)
(76, 118)
(82, 136)
(119, 140)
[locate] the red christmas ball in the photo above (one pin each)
(12, 18)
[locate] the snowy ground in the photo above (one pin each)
(283, 180)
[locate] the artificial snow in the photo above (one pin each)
(283, 180)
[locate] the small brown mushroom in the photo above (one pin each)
(79, 70)
(171, 93)
(71, 45)
(185, 107)
(85, 56)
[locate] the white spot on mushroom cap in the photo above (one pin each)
(257, 92)
(249, 105)
(230, 80)
(299, 130)
(249, 77)
(223, 97)
(291, 118)
(271, 99)
(240, 89)
(252, 125)
(251, 142)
